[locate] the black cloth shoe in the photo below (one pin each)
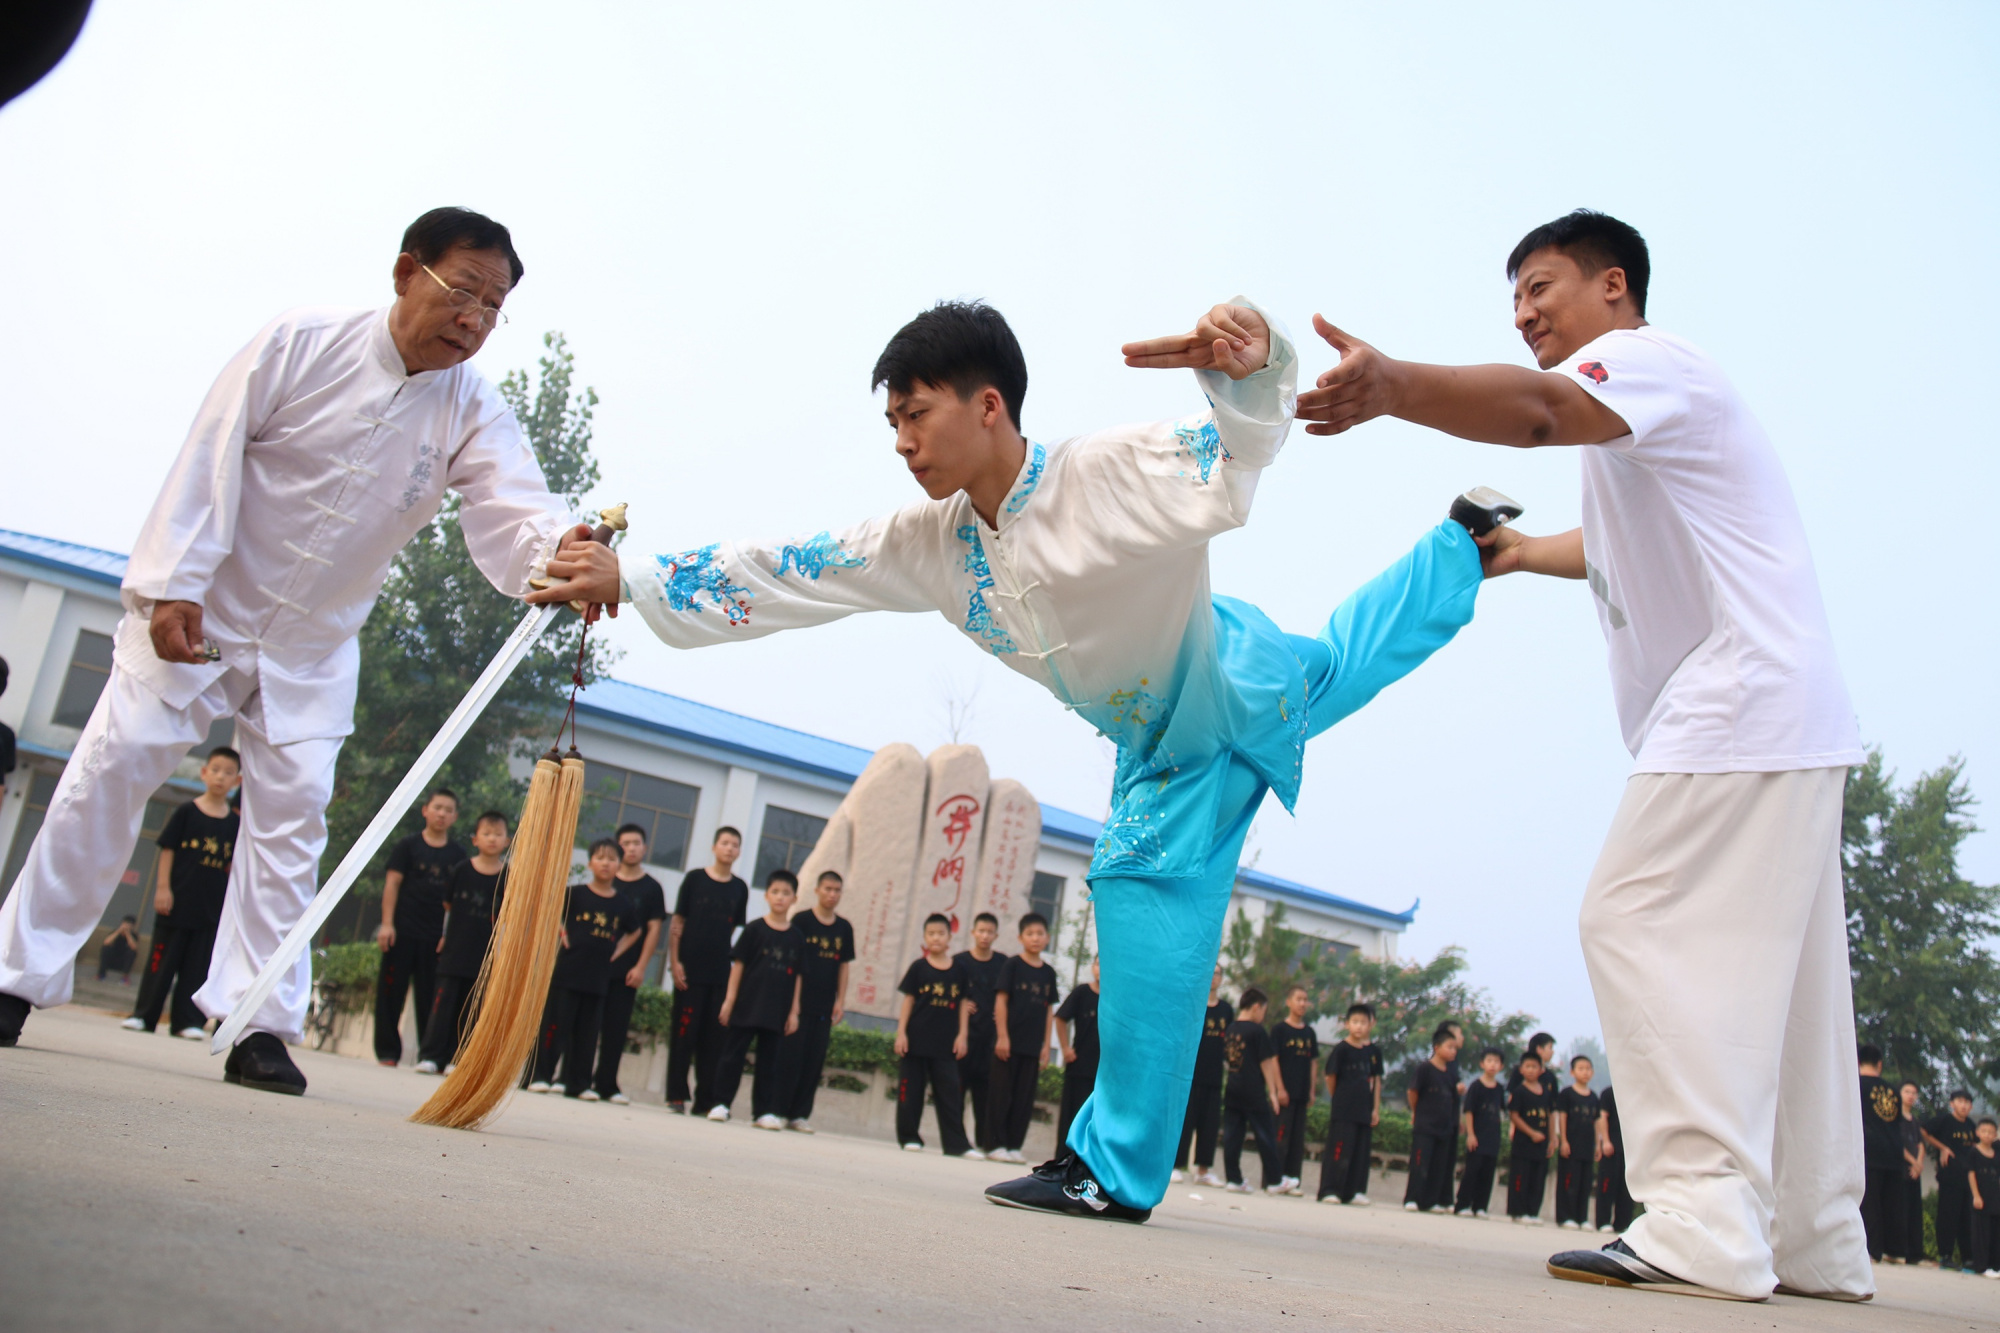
(1482, 509)
(261, 1061)
(14, 1012)
(1064, 1186)
(1616, 1265)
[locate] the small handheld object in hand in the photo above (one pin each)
(207, 651)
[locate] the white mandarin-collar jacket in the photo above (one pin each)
(314, 458)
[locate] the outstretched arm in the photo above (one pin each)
(1495, 404)
(1505, 551)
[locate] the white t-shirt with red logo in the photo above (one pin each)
(1721, 659)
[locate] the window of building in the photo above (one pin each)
(614, 797)
(787, 840)
(89, 669)
(1046, 897)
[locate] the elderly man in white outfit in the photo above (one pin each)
(1713, 925)
(325, 445)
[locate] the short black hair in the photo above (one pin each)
(1959, 1094)
(937, 918)
(987, 916)
(1442, 1035)
(1530, 1054)
(731, 830)
(1495, 1052)
(491, 817)
(607, 845)
(1576, 1060)
(1539, 1040)
(833, 875)
(1359, 1008)
(1296, 988)
(1909, 1083)
(1868, 1054)
(1596, 241)
(780, 875)
(442, 230)
(1031, 919)
(964, 346)
(1252, 997)
(441, 791)
(129, 917)
(1984, 1120)
(226, 753)
(639, 829)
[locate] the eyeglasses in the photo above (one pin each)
(490, 316)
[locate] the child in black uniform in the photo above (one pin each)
(1298, 1058)
(1251, 1094)
(1528, 1107)
(1354, 1096)
(930, 1040)
(1983, 1179)
(1204, 1111)
(1485, 1109)
(196, 848)
(1076, 1033)
(982, 964)
(1433, 1096)
(1578, 1130)
(1023, 1013)
(599, 923)
(117, 951)
(761, 1006)
(828, 944)
(1614, 1200)
(476, 892)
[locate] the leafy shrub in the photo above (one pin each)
(862, 1052)
(653, 1014)
(346, 973)
(840, 1082)
(1048, 1085)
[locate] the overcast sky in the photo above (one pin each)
(728, 209)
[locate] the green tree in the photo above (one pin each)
(1925, 985)
(1410, 999)
(439, 622)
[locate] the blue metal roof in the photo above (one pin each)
(671, 715)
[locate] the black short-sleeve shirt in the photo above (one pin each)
(1987, 1169)
(1534, 1106)
(1579, 1112)
(594, 925)
(426, 872)
(1352, 1067)
(1208, 1056)
(770, 959)
(199, 877)
(1079, 1010)
(935, 993)
(468, 927)
(824, 949)
(1245, 1048)
(1881, 1122)
(710, 911)
(1437, 1099)
(1487, 1107)
(1031, 992)
(984, 979)
(1298, 1055)
(1957, 1135)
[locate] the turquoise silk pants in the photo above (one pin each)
(1158, 939)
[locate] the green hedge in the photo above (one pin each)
(861, 1052)
(653, 1013)
(346, 974)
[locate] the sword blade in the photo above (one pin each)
(428, 763)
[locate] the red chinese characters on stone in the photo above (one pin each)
(957, 812)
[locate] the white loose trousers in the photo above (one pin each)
(1716, 937)
(130, 746)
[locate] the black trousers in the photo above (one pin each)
(177, 964)
(1257, 1118)
(1911, 1242)
(1985, 1238)
(1573, 1175)
(941, 1073)
(452, 1017)
(696, 1042)
(1010, 1100)
(1078, 1081)
(801, 1062)
(409, 963)
(1954, 1215)
(569, 1034)
(1475, 1187)
(1343, 1164)
(1430, 1170)
(1198, 1128)
(614, 1028)
(1527, 1173)
(765, 1083)
(117, 956)
(1882, 1209)
(1614, 1201)
(1292, 1131)
(975, 1076)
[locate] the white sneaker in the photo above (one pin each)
(1568, 1226)
(538, 1086)
(1536, 1222)
(1410, 1207)
(448, 1069)
(426, 1067)
(805, 1127)
(1210, 1179)
(1014, 1156)
(973, 1155)
(1329, 1198)
(1177, 1175)
(619, 1099)
(913, 1147)
(1239, 1187)
(589, 1095)
(1518, 1221)
(1991, 1272)
(1295, 1187)
(1275, 1190)
(1481, 1214)
(719, 1114)
(133, 1025)
(1607, 1229)
(770, 1122)
(1360, 1201)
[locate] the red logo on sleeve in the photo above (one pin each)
(1596, 371)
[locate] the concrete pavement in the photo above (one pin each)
(141, 1191)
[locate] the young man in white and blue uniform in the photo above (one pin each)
(1084, 566)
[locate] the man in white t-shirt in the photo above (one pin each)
(1713, 924)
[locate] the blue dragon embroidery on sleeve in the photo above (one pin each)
(692, 575)
(1203, 442)
(979, 616)
(1019, 499)
(816, 555)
